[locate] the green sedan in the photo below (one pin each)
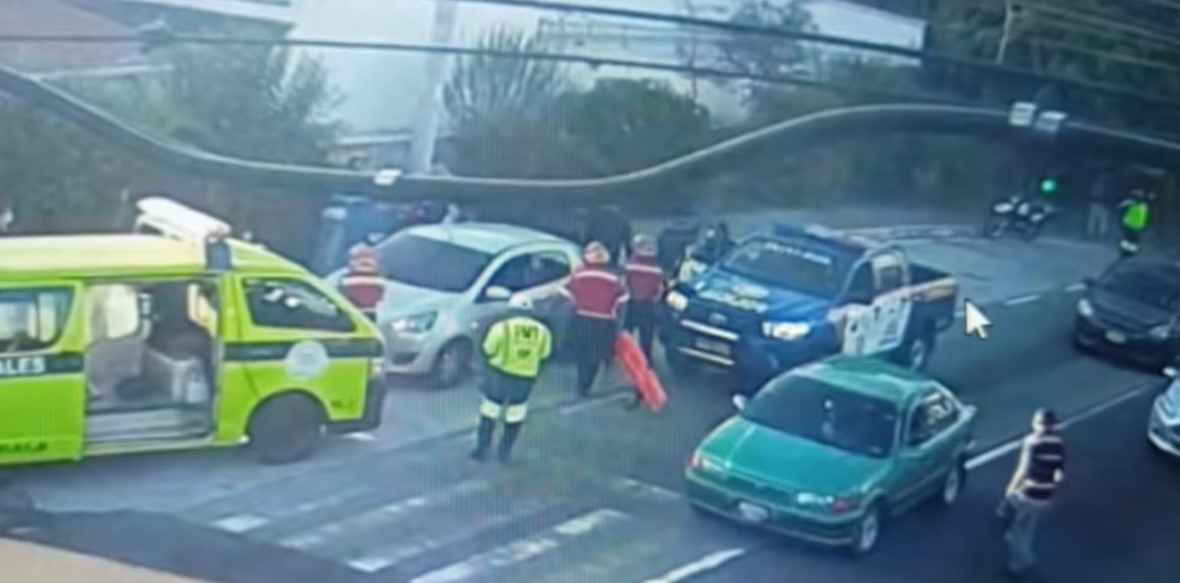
(829, 451)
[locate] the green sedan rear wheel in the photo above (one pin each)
(868, 531)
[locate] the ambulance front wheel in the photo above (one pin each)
(286, 429)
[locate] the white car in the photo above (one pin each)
(1163, 429)
(444, 283)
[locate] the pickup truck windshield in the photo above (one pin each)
(431, 264)
(786, 265)
(810, 409)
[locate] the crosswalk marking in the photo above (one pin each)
(523, 549)
(373, 517)
(707, 563)
(377, 560)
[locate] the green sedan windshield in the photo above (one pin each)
(827, 414)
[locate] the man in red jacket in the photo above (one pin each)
(362, 285)
(597, 294)
(645, 284)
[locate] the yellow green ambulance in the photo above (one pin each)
(175, 336)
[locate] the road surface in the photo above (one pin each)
(595, 492)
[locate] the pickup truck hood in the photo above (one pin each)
(721, 286)
(788, 462)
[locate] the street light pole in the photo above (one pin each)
(429, 110)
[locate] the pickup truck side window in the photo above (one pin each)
(32, 319)
(289, 303)
(889, 278)
(861, 286)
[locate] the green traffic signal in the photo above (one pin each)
(1048, 186)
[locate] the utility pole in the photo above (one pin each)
(1011, 13)
(429, 110)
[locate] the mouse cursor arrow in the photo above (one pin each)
(974, 322)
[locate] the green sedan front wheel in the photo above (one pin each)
(868, 531)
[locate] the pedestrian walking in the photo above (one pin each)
(362, 284)
(1136, 211)
(1031, 491)
(597, 293)
(516, 347)
(1098, 220)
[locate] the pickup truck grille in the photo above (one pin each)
(739, 321)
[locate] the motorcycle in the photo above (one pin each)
(1023, 216)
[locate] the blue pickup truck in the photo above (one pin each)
(785, 296)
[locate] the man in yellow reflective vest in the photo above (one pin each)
(515, 347)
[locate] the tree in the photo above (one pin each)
(494, 101)
(626, 124)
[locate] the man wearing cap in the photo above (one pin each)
(1031, 491)
(597, 294)
(516, 347)
(362, 285)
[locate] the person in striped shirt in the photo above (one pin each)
(1032, 490)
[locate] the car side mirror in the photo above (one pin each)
(497, 293)
(1170, 372)
(740, 402)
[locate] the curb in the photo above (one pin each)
(917, 232)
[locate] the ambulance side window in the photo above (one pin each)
(32, 319)
(290, 303)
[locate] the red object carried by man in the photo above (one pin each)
(634, 364)
(362, 285)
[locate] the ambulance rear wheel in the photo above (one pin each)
(286, 429)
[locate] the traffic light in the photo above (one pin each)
(1048, 186)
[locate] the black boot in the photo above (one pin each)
(483, 440)
(508, 439)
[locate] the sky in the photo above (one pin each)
(381, 89)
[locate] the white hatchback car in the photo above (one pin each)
(445, 283)
(1163, 427)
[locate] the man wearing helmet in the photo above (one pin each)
(597, 294)
(516, 347)
(645, 284)
(1032, 489)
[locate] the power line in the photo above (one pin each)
(590, 60)
(823, 39)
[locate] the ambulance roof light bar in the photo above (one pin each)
(177, 221)
(174, 220)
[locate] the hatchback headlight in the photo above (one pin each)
(786, 330)
(1161, 332)
(1002, 207)
(1084, 308)
(415, 324)
(676, 301)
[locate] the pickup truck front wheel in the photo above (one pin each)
(917, 354)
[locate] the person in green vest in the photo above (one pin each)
(1136, 216)
(516, 347)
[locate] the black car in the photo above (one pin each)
(1132, 310)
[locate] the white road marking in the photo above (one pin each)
(1077, 287)
(523, 549)
(369, 518)
(582, 406)
(959, 313)
(991, 455)
(361, 437)
(372, 561)
(707, 563)
(1022, 300)
(239, 523)
(630, 486)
